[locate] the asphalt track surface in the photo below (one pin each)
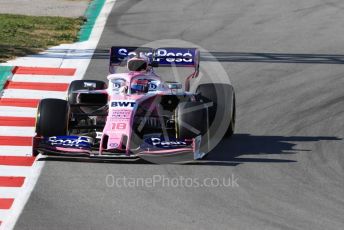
(287, 154)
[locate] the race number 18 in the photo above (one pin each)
(119, 126)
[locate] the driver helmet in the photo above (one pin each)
(140, 86)
(138, 64)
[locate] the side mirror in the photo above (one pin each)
(174, 85)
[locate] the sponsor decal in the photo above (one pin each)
(113, 145)
(69, 141)
(90, 85)
(119, 126)
(159, 142)
(165, 56)
(124, 52)
(116, 85)
(99, 135)
(153, 85)
(123, 104)
(121, 114)
(175, 55)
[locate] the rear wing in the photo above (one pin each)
(119, 55)
(165, 56)
(162, 57)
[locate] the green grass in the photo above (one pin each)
(22, 35)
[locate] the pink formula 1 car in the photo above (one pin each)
(136, 114)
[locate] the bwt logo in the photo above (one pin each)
(122, 104)
(184, 56)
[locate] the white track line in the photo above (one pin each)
(4, 214)
(15, 151)
(14, 111)
(32, 94)
(10, 192)
(41, 78)
(17, 131)
(15, 171)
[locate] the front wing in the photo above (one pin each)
(153, 149)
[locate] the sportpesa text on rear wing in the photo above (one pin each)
(164, 57)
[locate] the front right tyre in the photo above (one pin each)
(191, 119)
(52, 117)
(222, 112)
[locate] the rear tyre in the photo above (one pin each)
(52, 117)
(83, 84)
(191, 120)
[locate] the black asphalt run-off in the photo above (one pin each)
(287, 154)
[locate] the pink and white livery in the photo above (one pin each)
(137, 113)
